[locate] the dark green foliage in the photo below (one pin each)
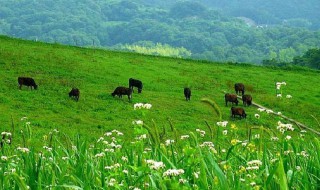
(310, 59)
(208, 29)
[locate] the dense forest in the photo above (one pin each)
(235, 30)
(310, 59)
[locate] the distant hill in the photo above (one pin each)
(299, 13)
(209, 30)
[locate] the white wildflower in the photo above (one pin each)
(7, 134)
(288, 96)
(225, 132)
(137, 122)
(168, 142)
(112, 182)
(137, 106)
(253, 183)
(284, 127)
(109, 150)
(24, 150)
(4, 158)
(147, 106)
(207, 144)
(254, 165)
(222, 123)
(100, 139)
(288, 138)
(257, 116)
(155, 165)
(196, 174)
(124, 158)
(108, 134)
(244, 143)
(173, 172)
(287, 152)
(184, 137)
(102, 154)
(304, 154)
(202, 133)
(279, 95)
(274, 138)
(55, 130)
(182, 181)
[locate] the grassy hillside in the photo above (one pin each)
(56, 69)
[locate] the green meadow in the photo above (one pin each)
(57, 68)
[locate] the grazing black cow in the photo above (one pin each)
(187, 93)
(75, 93)
(247, 99)
(120, 90)
(231, 98)
(238, 111)
(135, 83)
(239, 87)
(27, 81)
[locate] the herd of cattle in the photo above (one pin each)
(121, 90)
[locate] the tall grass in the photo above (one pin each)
(266, 159)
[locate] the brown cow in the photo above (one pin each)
(27, 81)
(238, 111)
(239, 87)
(120, 90)
(187, 93)
(247, 99)
(74, 93)
(231, 98)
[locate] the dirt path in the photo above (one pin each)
(285, 117)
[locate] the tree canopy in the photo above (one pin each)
(232, 30)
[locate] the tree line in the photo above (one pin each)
(309, 59)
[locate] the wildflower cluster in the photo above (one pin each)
(209, 145)
(169, 141)
(116, 165)
(155, 165)
(6, 138)
(173, 172)
(137, 122)
(24, 150)
(222, 123)
(201, 132)
(253, 165)
(141, 105)
(284, 127)
(184, 137)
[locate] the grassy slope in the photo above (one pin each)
(96, 73)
